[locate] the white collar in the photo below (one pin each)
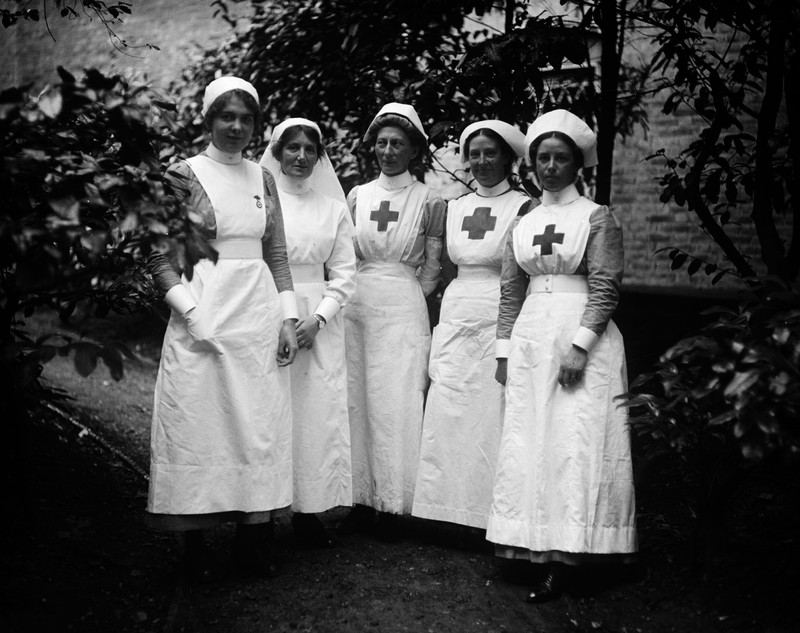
(395, 182)
(297, 186)
(216, 154)
(492, 192)
(558, 198)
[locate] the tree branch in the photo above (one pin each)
(46, 23)
(772, 247)
(609, 86)
(792, 259)
(694, 196)
(452, 174)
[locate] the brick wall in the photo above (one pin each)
(650, 225)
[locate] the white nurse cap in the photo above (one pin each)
(567, 123)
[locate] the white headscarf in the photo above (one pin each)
(511, 135)
(222, 85)
(400, 109)
(323, 177)
(567, 123)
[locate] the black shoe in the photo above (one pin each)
(361, 519)
(549, 589)
(389, 527)
(310, 531)
(254, 551)
(195, 557)
(470, 538)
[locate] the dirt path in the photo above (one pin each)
(89, 564)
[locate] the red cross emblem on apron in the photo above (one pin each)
(548, 238)
(479, 223)
(383, 215)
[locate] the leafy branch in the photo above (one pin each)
(84, 202)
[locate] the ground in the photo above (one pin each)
(78, 557)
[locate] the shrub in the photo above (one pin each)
(736, 381)
(84, 201)
(721, 407)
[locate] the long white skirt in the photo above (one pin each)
(564, 478)
(222, 428)
(464, 410)
(388, 342)
(321, 431)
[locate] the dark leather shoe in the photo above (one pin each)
(254, 552)
(197, 572)
(310, 531)
(390, 527)
(195, 557)
(549, 589)
(360, 519)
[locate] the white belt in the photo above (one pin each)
(558, 283)
(307, 273)
(474, 272)
(238, 248)
(389, 269)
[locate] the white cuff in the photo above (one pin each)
(502, 347)
(179, 299)
(585, 339)
(289, 304)
(327, 308)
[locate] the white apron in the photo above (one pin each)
(221, 435)
(564, 476)
(321, 431)
(464, 409)
(388, 341)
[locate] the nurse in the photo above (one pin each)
(399, 226)
(563, 493)
(319, 241)
(221, 443)
(464, 409)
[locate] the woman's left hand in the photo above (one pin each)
(287, 344)
(572, 367)
(306, 331)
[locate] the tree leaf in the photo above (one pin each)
(753, 452)
(680, 195)
(113, 360)
(731, 191)
(67, 208)
(85, 358)
(46, 353)
(66, 77)
(65, 310)
(51, 102)
(678, 261)
(712, 185)
(741, 382)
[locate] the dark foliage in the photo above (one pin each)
(737, 381)
(338, 61)
(84, 200)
